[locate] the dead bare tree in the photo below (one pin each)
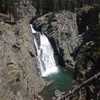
(80, 86)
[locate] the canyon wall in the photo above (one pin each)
(61, 29)
(19, 78)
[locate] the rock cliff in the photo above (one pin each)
(19, 78)
(19, 75)
(61, 29)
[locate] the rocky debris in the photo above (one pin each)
(87, 61)
(18, 63)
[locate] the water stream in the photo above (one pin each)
(45, 56)
(49, 70)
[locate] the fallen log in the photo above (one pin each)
(7, 18)
(4, 16)
(80, 86)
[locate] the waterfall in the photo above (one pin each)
(45, 55)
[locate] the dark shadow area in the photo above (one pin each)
(58, 52)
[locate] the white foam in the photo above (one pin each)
(33, 30)
(45, 56)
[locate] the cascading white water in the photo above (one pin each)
(45, 55)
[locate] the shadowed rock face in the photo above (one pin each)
(46, 6)
(61, 29)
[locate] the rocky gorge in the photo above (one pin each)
(74, 39)
(61, 29)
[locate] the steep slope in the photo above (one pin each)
(19, 78)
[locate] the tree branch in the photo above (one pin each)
(80, 86)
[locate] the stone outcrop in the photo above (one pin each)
(19, 78)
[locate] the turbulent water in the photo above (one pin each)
(45, 55)
(61, 79)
